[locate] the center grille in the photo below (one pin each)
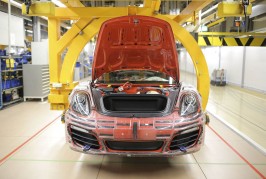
(83, 138)
(134, 146)
(184, 140)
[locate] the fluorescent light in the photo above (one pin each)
(58, 3)
(14, 3)
(29, 31)
(46, 18)
(209, 10)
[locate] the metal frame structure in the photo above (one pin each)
(88, 22)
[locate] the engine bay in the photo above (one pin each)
(129, 99)
(129, 88)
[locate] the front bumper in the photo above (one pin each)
(177, 135)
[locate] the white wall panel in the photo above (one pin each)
(186, 65)
(189, 65)
(16, 31)
(182, 59)
(232, 62)
(255, 71)
(212, 57)
(40, 53)
(185, 62)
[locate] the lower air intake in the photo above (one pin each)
(84, 139)
(134, 146)
(184, 140)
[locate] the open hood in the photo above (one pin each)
(135, 42)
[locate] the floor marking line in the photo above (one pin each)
(24, 143)
(243, 158)
(239, 133)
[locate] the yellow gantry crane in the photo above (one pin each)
(88, 22)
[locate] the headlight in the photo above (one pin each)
(80, 103)
(189, 104)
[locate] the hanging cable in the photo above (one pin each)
(245, 4)
(28, 4)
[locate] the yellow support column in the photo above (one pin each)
(54, 56)
(59, 95)
(59, 92)
(54, 60)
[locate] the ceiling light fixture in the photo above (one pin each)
(14, 3)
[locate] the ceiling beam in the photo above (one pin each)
(191, 9)
(72, 3)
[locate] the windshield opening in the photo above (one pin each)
(135, 76)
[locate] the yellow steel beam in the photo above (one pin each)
(76, 47)
(147, 3)
(40, 9)
(181, 18)
(94, 12)
(201, 68)
(232, 34)
(210, 41)
(190, 10)
(156, 6)
(66, 39)
(232, 9)
(132, 10)
(216, 22)
(72, 3)
(86, 12)
(170, 16)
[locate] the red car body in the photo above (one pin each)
(135, 104)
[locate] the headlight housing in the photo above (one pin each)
(189, 104)
(80, 103)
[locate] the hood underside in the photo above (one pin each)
(135, 42)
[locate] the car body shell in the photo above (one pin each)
(164, 134)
